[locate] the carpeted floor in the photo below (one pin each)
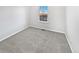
(33, 40)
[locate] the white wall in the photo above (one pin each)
(56, 19)
(12, 20)
(73, 27)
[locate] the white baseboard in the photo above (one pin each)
(67, 37)
(55, 31)
(48, 29)
(5, 36)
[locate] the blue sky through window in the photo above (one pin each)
(44, 8)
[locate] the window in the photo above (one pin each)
(43, 13)
(44, 9)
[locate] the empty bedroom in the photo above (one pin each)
(38, 29)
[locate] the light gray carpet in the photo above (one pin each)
(33, 40)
